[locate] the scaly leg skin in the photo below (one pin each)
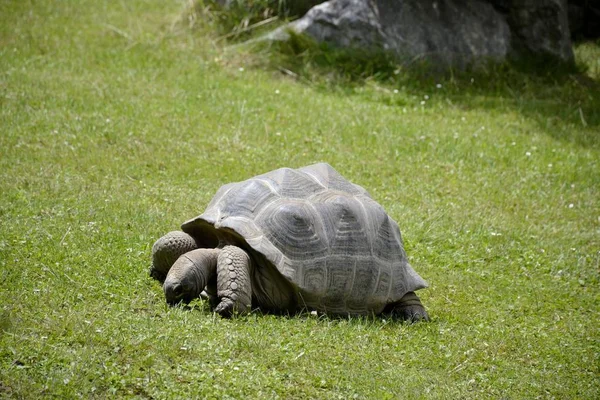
(409, 309)
(234, 287)
(167, 250)
(190, 274)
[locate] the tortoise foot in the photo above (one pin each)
(226, 308)
(409, 309)
(156, 274)
(414, 313)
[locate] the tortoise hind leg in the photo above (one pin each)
(408, 308)
(234, 287)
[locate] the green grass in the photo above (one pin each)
(119, 122)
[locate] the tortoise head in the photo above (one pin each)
(182, 283)
(189, 275)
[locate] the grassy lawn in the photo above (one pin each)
(118, 123)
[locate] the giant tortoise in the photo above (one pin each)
(290, 240)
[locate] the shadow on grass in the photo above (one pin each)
(204, 307)
(561, 98)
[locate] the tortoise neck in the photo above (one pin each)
(204, 269)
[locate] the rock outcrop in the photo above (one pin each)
(447, 32)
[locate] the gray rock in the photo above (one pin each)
(343, 23)
(447, 32)
(540, 27)
(450, 31)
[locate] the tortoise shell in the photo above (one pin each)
(336, 247)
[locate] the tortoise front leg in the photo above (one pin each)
(234, 287)
(167, 250)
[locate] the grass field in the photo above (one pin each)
(119, 122)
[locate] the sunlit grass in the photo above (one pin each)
(119, 123)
